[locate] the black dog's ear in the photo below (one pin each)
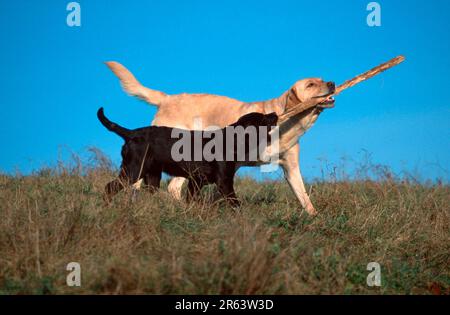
(271, 119)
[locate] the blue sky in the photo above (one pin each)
(53, 77)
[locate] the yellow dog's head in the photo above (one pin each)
(310, 88)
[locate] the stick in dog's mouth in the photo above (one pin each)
(328, 101)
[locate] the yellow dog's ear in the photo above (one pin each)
(293, 97)
(297, 91)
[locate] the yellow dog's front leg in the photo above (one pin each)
(291, 168)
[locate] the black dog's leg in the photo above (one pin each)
(113, 187)
(136, 165)
(128, 175)
(152, 181)
(225, 186)
(194, 186)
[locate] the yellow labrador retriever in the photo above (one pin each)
(184, 110)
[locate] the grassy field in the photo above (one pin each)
(268, 246)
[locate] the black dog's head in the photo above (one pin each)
(257, 120)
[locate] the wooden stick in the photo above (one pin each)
(349, 83)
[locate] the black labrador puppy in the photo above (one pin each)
(208, 157)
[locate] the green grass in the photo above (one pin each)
(268, 246)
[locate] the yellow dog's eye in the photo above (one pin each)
(310, 85)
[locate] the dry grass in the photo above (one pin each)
(269, 246)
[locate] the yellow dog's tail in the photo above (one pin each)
(132, 86)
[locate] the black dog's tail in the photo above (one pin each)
(121, 131)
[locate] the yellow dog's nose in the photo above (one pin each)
(331, 86)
